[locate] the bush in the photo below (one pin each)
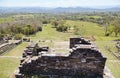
(39, 28)
(107, 34)
(18, 37)
(45, 22)
(76, 30)
(62, 28)
(1, 36)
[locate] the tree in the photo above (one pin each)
(39, 28)
(106, 21)
(1, 36)
(116, 26)
(25, 30)
(45, 21)
(3, 31)
(62, 27)
(55, 23)
(76, 30)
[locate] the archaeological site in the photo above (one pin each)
(83, 61)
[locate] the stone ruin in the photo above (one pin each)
(25, 39)
(6, 45)
(84, 61)
(117, 54)
(118, 45)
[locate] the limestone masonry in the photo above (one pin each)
(84, 61)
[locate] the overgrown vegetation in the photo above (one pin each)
(18, 36)
(21, 25)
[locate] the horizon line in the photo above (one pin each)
(94, 7)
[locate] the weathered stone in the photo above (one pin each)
(84, 61)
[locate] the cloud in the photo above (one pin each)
(59, 3)
(69, 3)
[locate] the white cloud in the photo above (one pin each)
(69, 3)
(59, 3)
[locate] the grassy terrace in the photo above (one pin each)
(17, 51)
(112, 62)
(9, 64)
(88, 28)
(50, 33)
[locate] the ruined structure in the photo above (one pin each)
(7, 45)
(117, 54)
(84, 61)
(118, 45)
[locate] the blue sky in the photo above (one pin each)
(58, 3)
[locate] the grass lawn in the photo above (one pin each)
(9, 64)
(17, 51)
(112, 62)
(89, 29)
(50, 33)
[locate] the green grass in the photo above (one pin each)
(113, 66)
(95, 17)
(17, 51)
(50, 33)
(103, 38)
(103, 45)
(86, 16)
(6, 20)
(8, 66)
(90, 29)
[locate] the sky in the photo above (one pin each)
(58, 3)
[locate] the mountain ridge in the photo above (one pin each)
(54, 10)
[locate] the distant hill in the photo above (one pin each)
(53, 10)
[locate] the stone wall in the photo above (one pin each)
(81, 40)
(3, 41)
(84, 61)
(6, 46)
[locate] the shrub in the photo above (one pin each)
(18, 37)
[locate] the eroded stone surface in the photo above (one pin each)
(83, 61)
